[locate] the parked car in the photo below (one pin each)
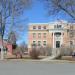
(73, 54)
(26, 53)
(18, 55)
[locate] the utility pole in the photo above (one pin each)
(12, 18)
(1, 34)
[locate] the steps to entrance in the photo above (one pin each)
(55, 54)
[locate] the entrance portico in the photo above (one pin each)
(57, 42)
(57, 38)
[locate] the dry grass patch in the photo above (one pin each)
(70, 58)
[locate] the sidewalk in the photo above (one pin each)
(37, 61)
(65, 59)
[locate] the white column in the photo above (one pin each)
(53, 51)
(61, 38)
(53, 41)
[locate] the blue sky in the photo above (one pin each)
(36, 14)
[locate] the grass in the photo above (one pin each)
(70, 58)
(27, 57)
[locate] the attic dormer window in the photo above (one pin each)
(44, 27)
(58, 26)
(39, 27)
(34, 27)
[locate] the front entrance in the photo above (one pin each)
(57, 44)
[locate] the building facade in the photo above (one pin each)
(7, 47)
(53, 34)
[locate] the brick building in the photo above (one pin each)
(8, 48)
(53, 34)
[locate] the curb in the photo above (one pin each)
(47, 61)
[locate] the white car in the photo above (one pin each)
(26, 53)
(73, 54)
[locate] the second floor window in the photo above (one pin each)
(39, 35)
(71, 33)
(44, 35)
(57, 34)
(34, 35)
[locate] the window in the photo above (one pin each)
(39, 35)
(34, 35)
(39, 43)
(57, 26)
(44, 27)
(67, 30)
(39, 27)
(71, 43)
(57, 44)
(58, 34)
(44, 43)
(34, 27)
(71, 27)
(71, 33)
(34, 43)
(44, 35)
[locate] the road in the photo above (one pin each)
(36, 68)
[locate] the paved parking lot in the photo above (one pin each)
(36, 68)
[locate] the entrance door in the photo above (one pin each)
(57, 44)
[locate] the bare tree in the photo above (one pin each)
(53, 7)
(66, 50)
(23, 47)
(10, 8)
(20, 50)
(56, 6)
(12, 38)
(45, 51)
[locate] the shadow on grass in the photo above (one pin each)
(69, 58)
(26, 57)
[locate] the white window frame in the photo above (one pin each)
(43, 43)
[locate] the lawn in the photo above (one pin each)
(70, 58)
(27, 57)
